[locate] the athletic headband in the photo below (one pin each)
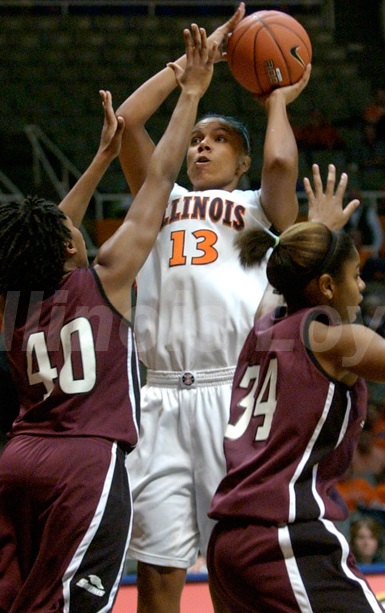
(328, 258)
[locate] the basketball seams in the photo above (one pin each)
(303, 38)
(239, 36)
(257, 78)
(279, 46)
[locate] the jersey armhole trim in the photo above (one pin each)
(105, 298)
(324, 316)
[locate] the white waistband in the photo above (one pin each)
(188, 379)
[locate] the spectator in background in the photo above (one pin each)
(366, 228)
(366, 541)
(373, 307)
(319, 142)
(375, 111)
(374, 271)
(199, 567)
(358, 487)
(368, 157)
(318, 134)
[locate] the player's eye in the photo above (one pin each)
(195, 141)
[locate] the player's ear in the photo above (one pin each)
(320, 290)
(70, 249)
(326, 286)
(244, 164)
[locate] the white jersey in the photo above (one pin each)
(195, 302)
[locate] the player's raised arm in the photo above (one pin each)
(137, 109)
(121, 257)
(76, 201)
(280, 156)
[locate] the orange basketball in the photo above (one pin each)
(268, 49)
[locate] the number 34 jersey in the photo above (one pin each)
(195, 302)
(74, 362)
(292, 428)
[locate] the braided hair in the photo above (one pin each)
(33, 240)
(303, 252)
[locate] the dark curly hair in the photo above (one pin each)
(32, 245)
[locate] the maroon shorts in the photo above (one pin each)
(65, 521)
(303, 567)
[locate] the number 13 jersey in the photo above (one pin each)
(195, 302)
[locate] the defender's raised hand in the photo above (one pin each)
(327, 206)
(112, 131)
(197, 74)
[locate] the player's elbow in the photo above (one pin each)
(281, 162)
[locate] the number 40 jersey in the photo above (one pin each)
(74, 362)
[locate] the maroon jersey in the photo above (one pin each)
(74, 362)
(292, 428)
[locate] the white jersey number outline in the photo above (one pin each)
(45, 373)
(256, 406)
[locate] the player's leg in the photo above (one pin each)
(209, 465)
(212, 413)
(16, 523)
(219, 603)
(165, 535)
(248, 570)
(325, 571)
(92, 579)
(160, 588)
(221, 594)
(82, 511)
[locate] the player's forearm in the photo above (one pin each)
(76, 202)
(169, 154)
(280, 165)
(146, 100)
(280, 144)
(137, 145)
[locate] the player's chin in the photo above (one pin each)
(201, 181)
(354, 314)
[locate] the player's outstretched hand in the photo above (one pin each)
(327, 206)
(111, 137)
(196, 76)
(220, 36)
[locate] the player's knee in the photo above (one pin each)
(159, 588)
